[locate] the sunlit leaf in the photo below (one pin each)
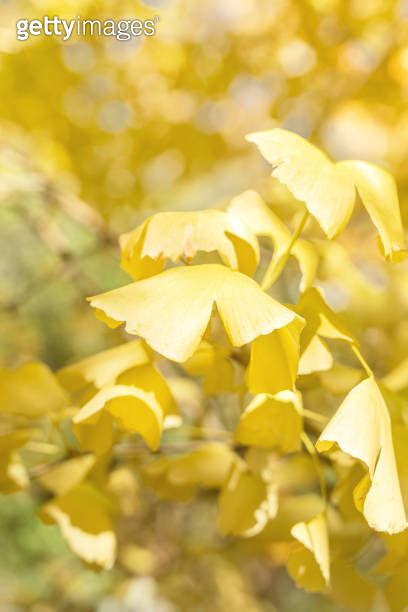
(361, 428)
(262, 221)
(103, 368)
(180, 235)
(171, 311)
(329, 189)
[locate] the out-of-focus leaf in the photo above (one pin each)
(213, 363)
(309, 563)
(136, 411)
(83, 515)
(246, 503)
(179, 477)
(30, 390)
(272, 421)
(66, 475)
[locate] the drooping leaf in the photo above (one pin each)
(361, 428)
(262, 221)
(272, 421)
(135, 410)
(83, 515)
(180, 235)
(309, 563)
(171, 311)
(329, 189)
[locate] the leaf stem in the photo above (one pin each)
(276, 267)
(361, 359)
(317, 465)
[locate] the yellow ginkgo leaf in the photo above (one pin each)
(30, 390)
(96, 437)
(329, 189)
(180, 235)
(136, 411)
(13, 474)
(320, 319)
(103, 368)
(172, 310)
(148, 378)
(274, 360)
(246, 503)
(179, 477)
(66, 475)
(361, 428)
(272, 421)
(83, 515)
(316, 357)
(309, 563)
(213, 363)
(262, 221)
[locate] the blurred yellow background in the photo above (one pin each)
(95, 134)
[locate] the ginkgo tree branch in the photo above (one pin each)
(276, 267)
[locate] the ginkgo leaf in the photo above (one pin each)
(83, 515)
(246, 503)
(316, 357)
(213, 363)
(136, 411)
(378, 192)
(30, 390)
(274, 359)
(150, 379)
(13, 474)
(66, 475)
(361, 428)
(329, 189)
(95, 437)
(262, 221)
(103, 368)
(172, 310)
(309, 563)
(272, 421)
(180, 235)
(179, 477)
(320, 319)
